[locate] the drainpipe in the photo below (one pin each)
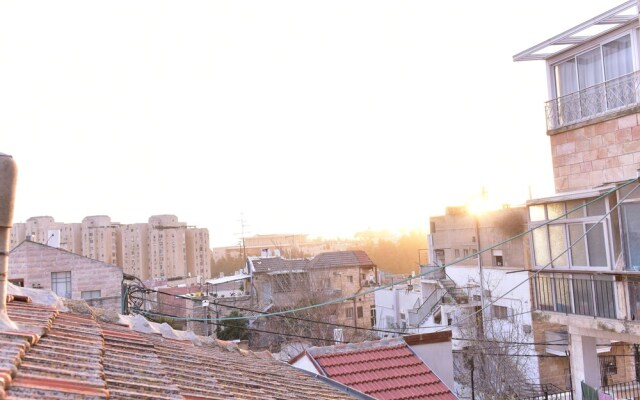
(7, 194)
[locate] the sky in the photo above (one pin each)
(317, 117)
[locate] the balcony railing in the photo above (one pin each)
(432, 272)
(604, 98)
(566, 293)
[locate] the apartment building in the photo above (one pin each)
(585, 250)
(163, 248)
(280, 283)
(288, 245)
(46, 230)
(483, 301)
(100, 239)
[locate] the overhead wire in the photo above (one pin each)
(285, 313)
(538, 271)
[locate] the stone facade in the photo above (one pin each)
(455, 237)
(70, 275)
(162, 248)
(596, 153)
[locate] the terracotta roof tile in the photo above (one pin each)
(384, 370)
(64, 356)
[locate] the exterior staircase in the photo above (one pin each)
(448, 293)
(455, 295)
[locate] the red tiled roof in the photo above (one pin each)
(386, 370)
(58, 355)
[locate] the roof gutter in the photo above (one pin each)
(8, 173)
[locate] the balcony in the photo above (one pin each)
(595, 101)
(592, 295)
(431, 272)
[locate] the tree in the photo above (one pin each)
(234, 329)
(396, 255)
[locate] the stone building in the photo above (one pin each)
(69, 275)
(586, 239)
(162, 248)
(278, 283)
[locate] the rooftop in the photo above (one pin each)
(334, 259)
(385, 369)
(60, 354)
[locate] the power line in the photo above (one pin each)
(537, 272)
(212, 321)
(472, 255)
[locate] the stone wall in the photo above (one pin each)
(34, 263)
(591, 155)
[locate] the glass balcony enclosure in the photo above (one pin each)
(596, 82)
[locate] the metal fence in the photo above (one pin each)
(626, 390)
(593, 101)
(566, 293)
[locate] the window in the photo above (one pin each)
(360, 312)
(90, 294)
(440, 257)
(631, 234)
(350, 278)
(594, 81)
(499, 312)
(61, 283)
(349, 312)
(457, 253)
(573, 238)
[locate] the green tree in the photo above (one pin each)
(233, 329)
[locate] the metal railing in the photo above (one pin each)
(625, 390)
(416, 316)
(594, 296)
(594, 101)
(546, 392)
(433, 272)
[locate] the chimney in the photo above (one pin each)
(7, 194)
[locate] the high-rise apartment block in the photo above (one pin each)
(163, 248)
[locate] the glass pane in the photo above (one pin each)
(617, 58)
(631, 229)
(579, 248)
(541, 246)
(566, 81)
(576, 205)
(582, 295)
(615, 228)
(555, 210)
(558, 246)
(589, 68)
(536, 213)
(596, 209)
(596, 245)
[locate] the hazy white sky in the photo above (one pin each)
(320, 117)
